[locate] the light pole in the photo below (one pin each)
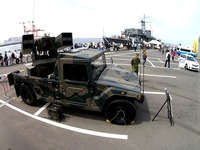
(141, 58)
(140, 65)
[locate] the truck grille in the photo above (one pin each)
(100, 88)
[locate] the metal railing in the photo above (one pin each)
(6, 88)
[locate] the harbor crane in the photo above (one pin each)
(24, 26)
(35, 30)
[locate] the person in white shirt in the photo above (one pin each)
(17, 55)
(167, 61)
(9, 58)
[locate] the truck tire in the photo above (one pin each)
(121, 112)
(186, 66)
(27, 95)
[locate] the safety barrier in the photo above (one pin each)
(6, 88)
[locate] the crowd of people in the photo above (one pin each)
(121, 46)
(98, 45)
(12, 57)
(169, 55)
(136, 61)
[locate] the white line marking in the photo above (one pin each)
(160, 60)
(119, 59)
(41, 109)
(128, 57)
(109, 53)
(122, 54)
(158, 93)
(5, 102)
(165, 68)
(67, 127)
(150, 63)
(2, 103)
(161, 76)
(119, 64)
(171, 63)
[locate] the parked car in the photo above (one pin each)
(188, 62)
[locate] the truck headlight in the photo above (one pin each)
(139, 97)
(122, 92)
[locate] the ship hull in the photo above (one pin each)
(116, 40)
(8, 44)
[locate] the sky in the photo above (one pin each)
(172, 21)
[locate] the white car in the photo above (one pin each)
(188, 62)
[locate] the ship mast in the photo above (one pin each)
(143, 24)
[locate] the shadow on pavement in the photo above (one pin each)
(143, 113)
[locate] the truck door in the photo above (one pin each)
(74, 80)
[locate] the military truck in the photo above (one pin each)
(77, 78)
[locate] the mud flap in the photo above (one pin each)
(11, 77)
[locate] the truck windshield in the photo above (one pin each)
(98, 66)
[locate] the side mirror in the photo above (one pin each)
(51, 76)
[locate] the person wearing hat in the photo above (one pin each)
(135, 62)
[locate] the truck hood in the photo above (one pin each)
(121, 78)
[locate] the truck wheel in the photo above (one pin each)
(27, 95)
(121, 112)
(186, 66)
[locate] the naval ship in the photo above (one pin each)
(12, 41)
(132, 35)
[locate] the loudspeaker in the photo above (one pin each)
(27, 43)
(64, 40)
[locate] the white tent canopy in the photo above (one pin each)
(145, 42)
(154, 42)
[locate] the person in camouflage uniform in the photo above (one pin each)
(135, 62)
